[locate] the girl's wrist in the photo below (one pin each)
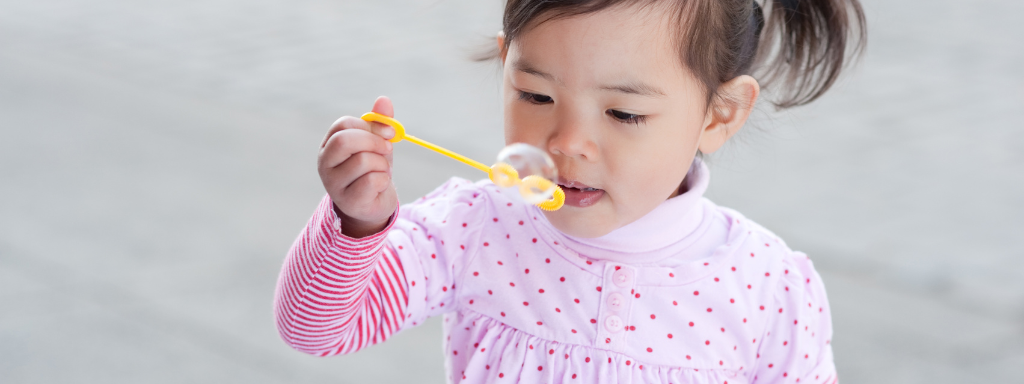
(356, 228)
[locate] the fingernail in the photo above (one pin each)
(388, 133)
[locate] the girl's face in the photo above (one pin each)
(606, 95)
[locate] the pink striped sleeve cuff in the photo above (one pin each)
(337, 294)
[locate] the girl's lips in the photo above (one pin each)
(580, 195)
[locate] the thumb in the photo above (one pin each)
(383, 106)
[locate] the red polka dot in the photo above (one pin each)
(511, 284)
(628, 362)
(463, 225)
(471, 301)
(593, 321)
(561, 279)
(527, 270)
(691, 323)
(558, 310)
(551, 351)
(495, 219)
(723, 330)
(649, 349)
(547, 261)
(433, 256)
(476, 273)
(716, 279)
(455, 352)
(767, 274)
(490, 292)
(751, 254)
(670, 335)
(687, 357)
(573, 330)
(486, 244)
(520, 221)
(762, 307)
(652, 316)
(526, 303)
(413, 283)
(574, 375)
(462, 246)
(771, 365)
(534, 239)
(576, 300)
(540, 323)
(632, 328)
(587, 360)
(709, 310)
(540, 290)
(500, 375)
(695, 293)
(599, 289)
(707, 342)
(445, 289)
(674, 302)
(500, 263)
(732, 300)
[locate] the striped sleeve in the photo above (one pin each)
(336, 294)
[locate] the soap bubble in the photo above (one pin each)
(535, 168)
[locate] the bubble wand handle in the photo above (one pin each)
(503, 172)
(401, 135)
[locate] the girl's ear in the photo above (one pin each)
(502, 51)
(729, 113)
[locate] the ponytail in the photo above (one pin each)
(806, 43)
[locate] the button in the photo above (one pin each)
(616, 301)
(623, 278)
(613, 324)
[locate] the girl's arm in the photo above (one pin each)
(337, 294)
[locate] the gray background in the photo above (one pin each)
(157, 158)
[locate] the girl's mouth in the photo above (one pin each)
(578, 194)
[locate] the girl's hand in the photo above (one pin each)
(355, 167)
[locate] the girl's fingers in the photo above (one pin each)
(344, 175)
(370, 197)
(345, 122)
(347, 142)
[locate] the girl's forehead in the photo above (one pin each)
(612, 43)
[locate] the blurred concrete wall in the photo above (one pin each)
(157, 158)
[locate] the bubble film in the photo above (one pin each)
(535, 168)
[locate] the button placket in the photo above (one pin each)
(616, 302)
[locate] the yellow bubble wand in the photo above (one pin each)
(502, 174)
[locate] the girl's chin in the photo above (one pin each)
(578, 222)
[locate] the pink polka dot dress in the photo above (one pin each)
(690, 293)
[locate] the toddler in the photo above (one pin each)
(638, 278)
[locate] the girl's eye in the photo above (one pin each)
(627, 117)
(534, 98)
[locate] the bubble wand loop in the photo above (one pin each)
(502, 174)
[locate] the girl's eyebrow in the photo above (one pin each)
(630, 87)
(635, 88)
(523, 66)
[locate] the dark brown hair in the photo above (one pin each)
(801, 45)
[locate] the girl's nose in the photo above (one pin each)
(573, 137)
